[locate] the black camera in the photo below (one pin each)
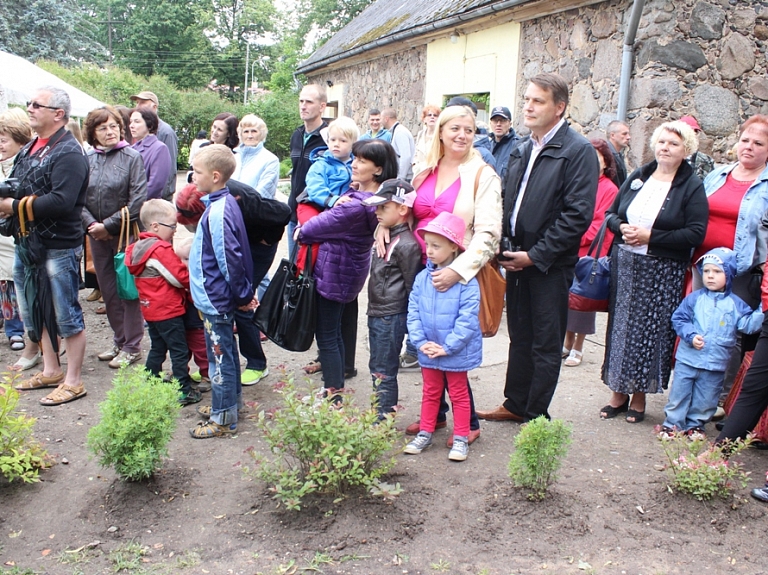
(506, 245)
(11, 188)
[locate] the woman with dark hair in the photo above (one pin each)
(582, 323)
(224, 130)
(157, 158)
(117, 180)
(344, 234)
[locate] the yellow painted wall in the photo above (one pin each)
(484, 61)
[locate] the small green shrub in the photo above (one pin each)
(703, 470)
(320, 447)
(21, 455)
(138, 419)
(540, 448)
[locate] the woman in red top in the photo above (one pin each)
(738, 199)
(582, 323)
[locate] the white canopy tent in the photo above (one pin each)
(20, 79)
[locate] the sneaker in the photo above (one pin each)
(407, 361)
(208, 429)
(196, 377)
(124, 358)
(109, 355)
(253, 376)
(719, 414)
(204, 386)
(696, 433)
(193, 396)
(460, 448)
(419, 443)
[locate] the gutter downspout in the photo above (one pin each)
(627, 59)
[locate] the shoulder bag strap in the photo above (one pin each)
(124, 231)
(598, 241)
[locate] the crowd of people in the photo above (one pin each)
(417, 217)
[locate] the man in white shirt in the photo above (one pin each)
(548, 205)
(402, 142)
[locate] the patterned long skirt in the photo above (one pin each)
(645, 291)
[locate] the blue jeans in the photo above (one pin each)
(248, 334)
(330, 344)
(223, 368)
(693, 397)
(63, 268)
(386, 336)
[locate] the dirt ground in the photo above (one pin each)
(610, 513)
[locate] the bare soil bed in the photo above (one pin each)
(610, 513)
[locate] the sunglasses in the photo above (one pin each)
(171, 226)
(37, 106)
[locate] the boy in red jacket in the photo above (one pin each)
(162, 281)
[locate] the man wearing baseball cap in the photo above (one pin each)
(503, 139)
(165, 134)
(701, 163)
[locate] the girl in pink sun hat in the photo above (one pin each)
(444, 327)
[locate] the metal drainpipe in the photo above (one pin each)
(627, 59)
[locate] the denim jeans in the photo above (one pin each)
(386, 337)
(291, 228)
(250, 340)
(330, 344)
(223, 368)
(169, 336)
(10, 313)
(63, 268)
(693, 397)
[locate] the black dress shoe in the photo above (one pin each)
(760, 493)
(719, 425)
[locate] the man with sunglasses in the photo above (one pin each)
(54, 168)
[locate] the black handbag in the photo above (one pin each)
(591, 286)
(286, 313)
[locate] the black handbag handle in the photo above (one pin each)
(598, 241)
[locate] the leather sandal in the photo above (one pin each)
(313, 366)
(609, 412)
(63, 394)
(40, 381)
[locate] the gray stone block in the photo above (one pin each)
(653, 93)
(584, 107)
(707, 21)
(737, 56)
(678, 54)
(717, 110)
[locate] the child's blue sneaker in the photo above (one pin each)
(460, 448)
(419, 443)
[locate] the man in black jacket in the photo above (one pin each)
(53, 168)
(618, 140)
(312, 134)
(550, 196)
(503, 139)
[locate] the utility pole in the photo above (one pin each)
(245, 86)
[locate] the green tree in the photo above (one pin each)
(241, 32)
(52, 29)
(326, 17)
(158, 37)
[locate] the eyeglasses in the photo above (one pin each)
(107, 128)
(37, 106)
(432, 115)
(171, 226)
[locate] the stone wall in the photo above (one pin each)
(705, 58)
(395, 80)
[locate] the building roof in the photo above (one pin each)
(389, 21)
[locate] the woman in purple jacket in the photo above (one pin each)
(157, 158)
(345, 235)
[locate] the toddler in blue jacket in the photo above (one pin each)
(445, 328)
(706, 322)
(330, 174)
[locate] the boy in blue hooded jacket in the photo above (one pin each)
(706, 322)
